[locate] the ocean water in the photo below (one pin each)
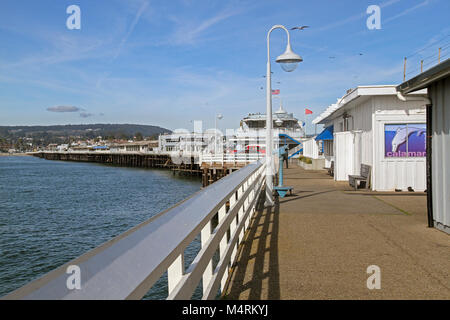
(54, 211)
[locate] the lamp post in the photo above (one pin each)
(288, 61)
(218, 116)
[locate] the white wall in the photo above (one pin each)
(355, 145)
(396, 173)
(361, 121)
(311, 148)
(364, 143)
(440, 98)
(343, 155)
(328, 152)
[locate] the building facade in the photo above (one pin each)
(372, 126)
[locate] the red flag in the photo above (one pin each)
(277, 91)
(307, 111)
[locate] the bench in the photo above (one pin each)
(363, 177)
(331, 169)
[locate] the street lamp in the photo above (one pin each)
(288, 61)
(218, 117)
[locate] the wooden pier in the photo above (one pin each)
(209, 172)
(129, 159)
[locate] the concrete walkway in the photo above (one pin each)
(318, 243)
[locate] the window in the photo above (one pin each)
(321, 147)
(328, 147)
(405, 140)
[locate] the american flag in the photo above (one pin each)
(277, 91)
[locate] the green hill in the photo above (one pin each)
(20, 137)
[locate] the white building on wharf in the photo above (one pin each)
(372, 125)
(136, 146)
(251, 135)
(235, 144)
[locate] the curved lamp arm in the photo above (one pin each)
(277, 26)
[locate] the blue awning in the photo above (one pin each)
(326, 134)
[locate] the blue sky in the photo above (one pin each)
(170, 62)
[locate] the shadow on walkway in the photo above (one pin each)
(295, 197)
(319, 242)
(255, 274)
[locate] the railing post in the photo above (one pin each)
(249, 183)
(175, 272)
(240, 213)
(223, 246)
(208, 273)
(233, 226)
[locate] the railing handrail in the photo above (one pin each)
(127, 266)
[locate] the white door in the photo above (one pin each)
(344, 155)
(394, 170)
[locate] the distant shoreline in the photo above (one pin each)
(3, 154)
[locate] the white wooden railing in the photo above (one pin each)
(127, 266)
(230, 158)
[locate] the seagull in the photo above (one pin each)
(360, 54)
(331, 57)
(300, 28)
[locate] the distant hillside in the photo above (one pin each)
(91, 130)
(43, 135)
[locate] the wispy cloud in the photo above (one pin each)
(432, 43)
(71, 109)
(355, 17)
(60, 49)
(63, 109)
(407, 11)
(187, 33)
(136, 19)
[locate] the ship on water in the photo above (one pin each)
(251, 135)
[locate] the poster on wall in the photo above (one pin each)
(405, 140)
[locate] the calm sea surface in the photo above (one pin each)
(54, 211)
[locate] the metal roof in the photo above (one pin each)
(360, 91)
(424, 79)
